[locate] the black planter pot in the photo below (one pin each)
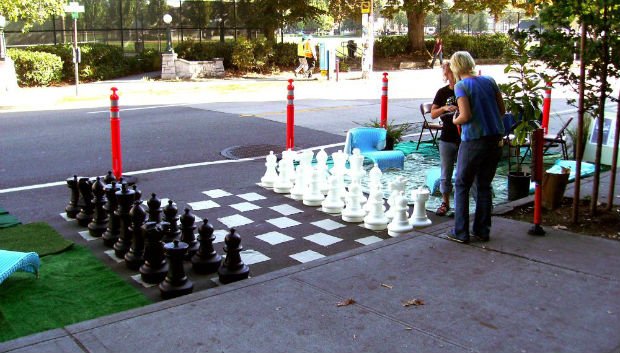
(389, 143)
(518, 185)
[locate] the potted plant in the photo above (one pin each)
(523, 98)
(395, 132)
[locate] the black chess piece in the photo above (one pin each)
(172, 231)
(134, 258)
(72, 208)
(86, 193)
(233, 269)
(176, 282)
(154, 208)
(155, 266)
(99, 222)
(187, 233)
(109, 178)
(125, 199)
(206, 259)
(113, 229)
(138, 192)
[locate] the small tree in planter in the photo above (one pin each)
(523, 97)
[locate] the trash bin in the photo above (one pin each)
(553, 188)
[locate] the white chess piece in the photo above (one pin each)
(313, 196)
(356, 165)
(375, 219)
(290, 156)
(353, 211)
(393, 187)
(339, 170)
(300, 186)
(400, 223)
(418, 216)
(333, 203)
(283, 185)
(271, 174)
(374, 177)
(360, 194)
(321, 166)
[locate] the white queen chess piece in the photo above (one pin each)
(418, 217)
(271, 174)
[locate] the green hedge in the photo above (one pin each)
(483, 46)
(36, 68)
(196, 51)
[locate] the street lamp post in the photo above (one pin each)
(167, 21)
(2, 41)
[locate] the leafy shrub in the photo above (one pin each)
(148, 60)
(285, 55)
(36, 68)
(242, 56)
(483, 46)
(388, 46)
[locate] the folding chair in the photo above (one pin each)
(433, 128)
(558, 139)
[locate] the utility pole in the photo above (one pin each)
(368, 38)
(74, 8)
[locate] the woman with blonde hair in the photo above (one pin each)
(481, 109)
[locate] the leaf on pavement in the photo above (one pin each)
(388, 286)
(413, 302)
(346, 302)
(560, 227)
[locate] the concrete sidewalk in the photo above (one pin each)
(517, 293)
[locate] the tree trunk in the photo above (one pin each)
(415, 32)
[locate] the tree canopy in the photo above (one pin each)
(30, 12)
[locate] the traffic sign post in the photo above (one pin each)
(75, 9)
(368, 38)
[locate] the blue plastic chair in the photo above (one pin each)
(371, 143)
(13, 261)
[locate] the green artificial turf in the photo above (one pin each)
(73, 286)
(38, 237)
(7, 220)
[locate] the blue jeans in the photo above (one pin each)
(447, 154)
(477, 161)
(440, 55)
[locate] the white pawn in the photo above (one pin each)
(333, 202)
(360, 194)
(400, 223)
(393, 187)
(321, 166)
(375, 219)
(418, 216)
(313, 196)
(283, 185)
(374, 188)
(297, 191)
(271, 174)
(374, 177)
(356, 165)
(353, 211)
(290, 156)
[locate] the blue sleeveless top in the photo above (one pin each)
(485, 119)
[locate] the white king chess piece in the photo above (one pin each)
(418, 217)
(271, 174)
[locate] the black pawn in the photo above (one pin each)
(187, 233)
(134, 258)
(154, 206)
(137, 192)
(109, 178)
(86, 212)
(233, 269)
(125, 198)
(172, 231)
(72, 208)
(206, 259)
(99, 223)
(176, 282)
(113, 229)
(155, 266)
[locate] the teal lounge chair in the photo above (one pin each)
(371, 142)
(12, 261)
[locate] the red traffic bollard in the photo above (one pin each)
(538, 142)
(290, 116)
(115, 131)
(546, 108)
(384, 101)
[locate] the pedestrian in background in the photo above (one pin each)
(310, 52)
(301, 56)
(437, 51)
(481, 109)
